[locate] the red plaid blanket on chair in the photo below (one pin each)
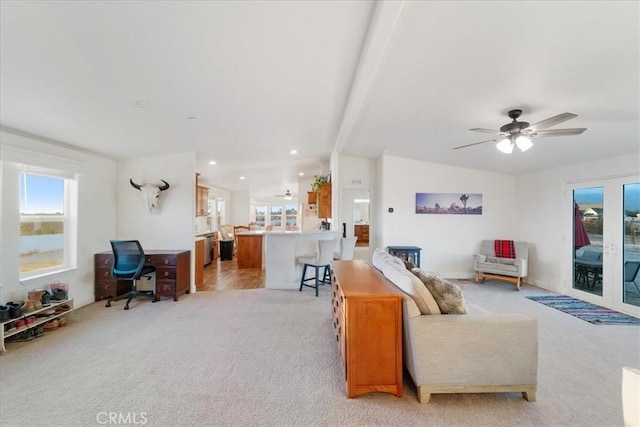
(504, 248)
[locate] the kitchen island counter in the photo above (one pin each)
(281, 251)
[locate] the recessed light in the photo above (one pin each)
(301, 174)
(192, 118)
(141, 104)
(242, 177)
(294, 151)
(212, 162)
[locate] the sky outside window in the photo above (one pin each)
(41, 194)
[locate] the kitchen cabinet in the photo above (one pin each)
(324, 200)
(202, 201)
(312, 197)
(361, 231)
(199, 261)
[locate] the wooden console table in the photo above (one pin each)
(367, 317)
(173, 274)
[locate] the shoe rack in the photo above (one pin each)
(38, 320)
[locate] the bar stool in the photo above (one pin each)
(322, 259)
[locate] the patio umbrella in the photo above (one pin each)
(580, 236)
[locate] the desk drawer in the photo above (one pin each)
(103, 273)
(160, 260)
(165, 273)
(103, 260)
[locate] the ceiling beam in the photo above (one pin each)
(383, 22)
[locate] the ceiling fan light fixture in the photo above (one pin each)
(523, 143)
(506, 146)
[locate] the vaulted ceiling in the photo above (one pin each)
(244, 83)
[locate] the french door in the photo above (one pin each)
(604, 247)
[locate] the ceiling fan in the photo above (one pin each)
(287, 195)
(520, 133)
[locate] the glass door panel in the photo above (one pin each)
(605, 248)
(631, 247)
(587, 239)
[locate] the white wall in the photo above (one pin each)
(539, 203)
(240, 208)
(173, 226)
(96, 213)
(448, 242)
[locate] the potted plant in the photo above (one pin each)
(317, 181)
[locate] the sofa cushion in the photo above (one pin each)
(448, 295)
(497, 267)
(394, 270)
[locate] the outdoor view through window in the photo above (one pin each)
(42, 223)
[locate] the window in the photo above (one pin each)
(220, 210)
(261, 216)
(291, 215)
(45, 226)
(276, 216)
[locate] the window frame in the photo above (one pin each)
(69, 220)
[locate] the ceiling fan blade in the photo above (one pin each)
(475, 143)
(495, 132)
(556, 132)
(551, 121)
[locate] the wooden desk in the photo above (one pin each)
(249, 250)
(173, 274)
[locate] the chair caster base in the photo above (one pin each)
(108, 304)
(126, 307)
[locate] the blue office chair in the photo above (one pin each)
(128, 264)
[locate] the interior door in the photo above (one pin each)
(604, 250)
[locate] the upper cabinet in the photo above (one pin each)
(202, 201)
(324, 200)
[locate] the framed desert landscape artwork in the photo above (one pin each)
(449, 203)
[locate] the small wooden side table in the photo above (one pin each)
(408, 253)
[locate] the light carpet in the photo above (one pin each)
(265, 357)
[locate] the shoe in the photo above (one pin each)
(27, 307)
(15, 309)
(47, 313)
(30, 320)
(46, 299)
(62, 308)
(62, 322)
(20, 323)
(59, 295)
(38, 331)
(4, 313)
(51, 325)
(27, 335)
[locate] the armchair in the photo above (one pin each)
(487, 265)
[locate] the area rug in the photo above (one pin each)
(586, 311)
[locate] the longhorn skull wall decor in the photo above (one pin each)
(150, 193)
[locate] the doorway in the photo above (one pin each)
(605, 243)
(355, 211)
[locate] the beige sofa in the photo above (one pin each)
(475, 352)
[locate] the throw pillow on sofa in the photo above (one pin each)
(393, 269)
(448, 295)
